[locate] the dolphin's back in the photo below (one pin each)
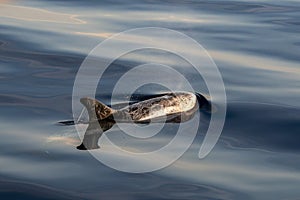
(167, 108)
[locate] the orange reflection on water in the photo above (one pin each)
(102, 35)
(37, 14)
(64, 139)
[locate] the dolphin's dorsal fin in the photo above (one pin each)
(96, 109)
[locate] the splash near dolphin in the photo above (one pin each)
(166, 108)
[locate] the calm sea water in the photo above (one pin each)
(256, 46)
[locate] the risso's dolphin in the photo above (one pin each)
(167, 108)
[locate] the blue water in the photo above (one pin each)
(255, 44)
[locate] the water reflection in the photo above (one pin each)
(36, 14)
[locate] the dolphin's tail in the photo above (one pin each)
(91, 137)
(99, 122)
(96, 109)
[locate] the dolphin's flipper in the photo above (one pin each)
(66, 122)
(96, 109)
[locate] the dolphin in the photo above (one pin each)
(174, 107)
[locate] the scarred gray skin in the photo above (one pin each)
(169, 108)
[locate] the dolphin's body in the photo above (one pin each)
(172, 107)
(167, 108)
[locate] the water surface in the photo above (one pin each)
(255, 44)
